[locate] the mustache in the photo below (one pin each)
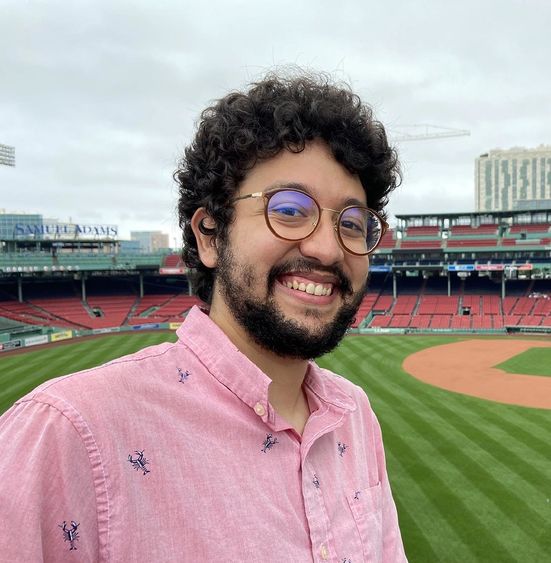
(307, 266)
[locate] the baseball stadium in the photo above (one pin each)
(451, 344)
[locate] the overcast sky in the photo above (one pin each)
(100, 97)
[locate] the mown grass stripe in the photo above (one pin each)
(507, 457)
(509, 460)
(430, 455)
(512, 425)
(448, 505)
(474, 472)
(417, 542)
(484, 439)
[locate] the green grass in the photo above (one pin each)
(534, 361)
(471, 478)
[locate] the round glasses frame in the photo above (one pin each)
(268, 194)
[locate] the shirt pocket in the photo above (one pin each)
(366, 507)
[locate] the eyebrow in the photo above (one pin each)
(308, 190)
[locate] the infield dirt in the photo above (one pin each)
(468, 367)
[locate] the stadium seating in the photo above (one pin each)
(383, 303)
(423, 232)
(365, 308)
(172, 261)
(462, 230)
(112, 310)
(530, 228)
(31, 314)
(438, 305)
(471, 242)
(70, 310)
(388, 241)
(405, 305)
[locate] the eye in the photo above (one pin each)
(353, 223)
(288, 210)
(289, 205)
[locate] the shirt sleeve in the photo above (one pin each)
(48, 495)
(393, 547)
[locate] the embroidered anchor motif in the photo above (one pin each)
(70, 534)
(341, 447)
(345, 560)
(269, 442)
(357, 495)
(183, 375)
(316, 481)
(140, 462)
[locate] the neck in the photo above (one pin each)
(287, 374)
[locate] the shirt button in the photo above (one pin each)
(324, 552)
(259, 409)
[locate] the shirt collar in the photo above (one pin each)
(241, 376)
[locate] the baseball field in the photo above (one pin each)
(471, 477)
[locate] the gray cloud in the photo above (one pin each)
(100, 98)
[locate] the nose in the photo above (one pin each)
(323, 244)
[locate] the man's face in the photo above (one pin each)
(257, 274)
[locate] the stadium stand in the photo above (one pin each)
(468, 230)
(388, 241)
(431, 272)
(433, 231)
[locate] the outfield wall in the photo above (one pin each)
(21, 340)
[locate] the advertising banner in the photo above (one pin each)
(147, 326)
(172, 271)
(11, 345)
(174, 326)
(460, 267)
(105, 330)
(490, 267)
(63, 335)
(35, 340)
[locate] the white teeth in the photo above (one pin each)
(310, 288)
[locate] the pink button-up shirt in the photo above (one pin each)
(175, 454)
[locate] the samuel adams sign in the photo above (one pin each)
(65, 230)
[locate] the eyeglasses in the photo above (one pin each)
(294, 215)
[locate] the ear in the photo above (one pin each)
(201, 223)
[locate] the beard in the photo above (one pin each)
(264, 321)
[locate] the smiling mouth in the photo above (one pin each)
(310, 288)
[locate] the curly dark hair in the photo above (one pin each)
(276, 113)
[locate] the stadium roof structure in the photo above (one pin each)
(535, 215)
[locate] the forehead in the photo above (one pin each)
(314, 169)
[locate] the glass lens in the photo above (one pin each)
(359, 229)
(292, 215)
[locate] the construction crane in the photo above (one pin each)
(7, 155)
(424, 132)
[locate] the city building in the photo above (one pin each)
(150, 241)
(513, 179)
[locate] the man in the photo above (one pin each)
(230, 445)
